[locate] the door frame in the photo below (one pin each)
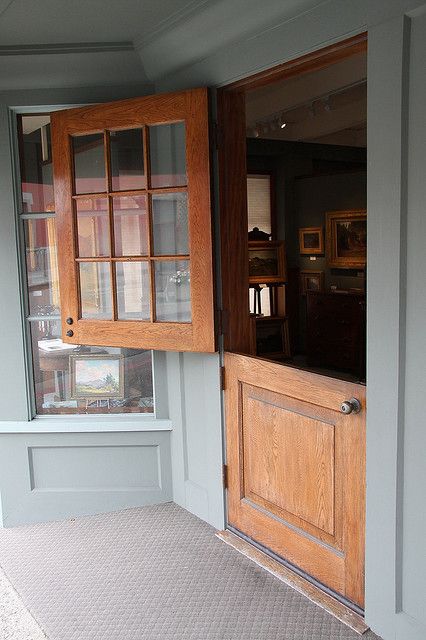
(232, 242)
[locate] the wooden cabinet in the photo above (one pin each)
(336, 331)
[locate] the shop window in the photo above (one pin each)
(70, 378)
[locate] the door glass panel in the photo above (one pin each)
(95, 290)
(93, 227)
(127, 163)
(133, 290)
(130, 225)
(36, 164)
(42, 267)
(173, 291)
(168, 155)
(170, 224)
(89, 163)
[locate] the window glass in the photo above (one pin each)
(84, 380)
(72, 379)
(259, 202)
(168, 155)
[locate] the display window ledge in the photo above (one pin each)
(85, 424)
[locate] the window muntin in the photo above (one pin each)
(53, 361)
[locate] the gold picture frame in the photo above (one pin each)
(311, 281)
(267, 264)
(347, 239)
(311, 241)
(96, 376)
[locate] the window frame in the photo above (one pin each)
(67, 423)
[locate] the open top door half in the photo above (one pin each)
(132, 195)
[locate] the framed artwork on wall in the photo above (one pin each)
(347, 239)
(266, 262)
(272, 337)
(311, 281)
(311, 241)
(96, 376)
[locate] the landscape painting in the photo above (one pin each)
(96, 376)
(347, 239)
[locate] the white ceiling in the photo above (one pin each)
(329, 105)
(148, 38)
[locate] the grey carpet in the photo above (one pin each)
(154, 573)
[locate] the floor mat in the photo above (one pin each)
(154, 573)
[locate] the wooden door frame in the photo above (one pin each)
(232, 162)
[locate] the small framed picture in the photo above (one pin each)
(347, 239)
(311, 241)
(96, 376)
(311, 281)
(271, 337)
(266, 262)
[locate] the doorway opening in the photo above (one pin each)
(307, 191)
(293, 177)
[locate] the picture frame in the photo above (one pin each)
(311, 241)
(272, 339)
(267, 263)
(96, 376)
(347, 239)
(311, 281)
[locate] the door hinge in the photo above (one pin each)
(222, 378)
(225, 476)
(216, 136)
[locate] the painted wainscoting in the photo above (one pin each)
(51, 476)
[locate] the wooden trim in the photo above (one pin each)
(307, 63)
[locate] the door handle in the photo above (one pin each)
(350, 406)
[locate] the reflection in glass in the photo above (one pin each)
(133, 290)
(42, 266)
(127, 164)
(95, 290)
(173, 291)
(168, 155)
(93, 227)
(89, 163)
(52, 380)
(130, 225)
(170, 223)
(36, 164)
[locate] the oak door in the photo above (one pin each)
(296, 468)
(132, 197)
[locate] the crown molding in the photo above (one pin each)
(72, 47)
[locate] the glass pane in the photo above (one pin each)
(133, 290)
(127, 164)
(130, 225)
(42, 267)
(36, 165)
(93, 227)
(170, 222)
(173, 291)
(95, 290)
(89, 163)
(168, 155)
(54, 383)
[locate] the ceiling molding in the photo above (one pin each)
(72, 47)
(171, 21)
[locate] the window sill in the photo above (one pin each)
(81, 424)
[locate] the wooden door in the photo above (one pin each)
(132, 197)
(296, 468)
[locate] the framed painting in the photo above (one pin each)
(311, 281)
(347, 239)
(266, 262)
(96, 376)
(272, 337)
(311, 241)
